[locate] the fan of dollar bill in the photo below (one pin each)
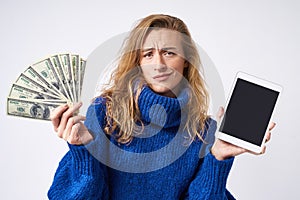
(46, 84)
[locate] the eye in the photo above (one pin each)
(169, 53)
(148, 55)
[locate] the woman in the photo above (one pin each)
(155, 96)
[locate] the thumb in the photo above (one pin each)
(220, 113)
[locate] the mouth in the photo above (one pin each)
(162, 77)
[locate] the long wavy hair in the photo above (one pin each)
(122, 110)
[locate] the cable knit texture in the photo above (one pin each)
(97, 171)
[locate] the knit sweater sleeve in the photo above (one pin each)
(210, 180)
(79, 174)
(211, 177)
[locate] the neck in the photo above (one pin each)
(162, 110)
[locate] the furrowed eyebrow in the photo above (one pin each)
(147, 49)
(168, 48)
(163, 49)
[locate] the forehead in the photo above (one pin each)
(162, 38)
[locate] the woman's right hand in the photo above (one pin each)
(69, 126)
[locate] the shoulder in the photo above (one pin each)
(96, 111)
(210, 128)
(210, 124)
(99, 100)
(97, 105)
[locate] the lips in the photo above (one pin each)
(162, 77)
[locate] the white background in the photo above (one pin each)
(260, 37)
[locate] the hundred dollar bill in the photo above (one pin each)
(69, 74)
(61, 75)
(27, 82)
(81, 71)
(60, 102)
(46, 69)
(18, 91)
(29, 109)
(76, 70)
(53, 102)
(35, 76)
(56, 101)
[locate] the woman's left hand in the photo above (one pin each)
(223, 150)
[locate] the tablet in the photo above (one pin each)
(248, 112)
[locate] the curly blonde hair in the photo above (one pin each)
(123, 90)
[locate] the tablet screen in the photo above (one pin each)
(248, 112)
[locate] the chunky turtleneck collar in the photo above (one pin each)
(161, 110)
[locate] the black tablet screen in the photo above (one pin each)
(249, 111)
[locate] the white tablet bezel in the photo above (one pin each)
(236, 141)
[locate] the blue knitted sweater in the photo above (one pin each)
(157, 164)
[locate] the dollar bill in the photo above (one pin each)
(81, 77)
(46, 69)
(46, 84)
(69, 74)
(18, 91)
(35, 76)
(27, 82)
(76, 70)
(59, 102)
(61, 75)
(29, 109)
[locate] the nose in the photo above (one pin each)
(159, 64)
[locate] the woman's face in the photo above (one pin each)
(162, 61)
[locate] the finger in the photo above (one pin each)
(272, 125)
(72, 110)
(263, 150)
(220, 113)
(56, 115)
(66, 115)
(79, 134)
(260, 153)
(71, 122)
(74, 137)
(268, 136)
(240, 150)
